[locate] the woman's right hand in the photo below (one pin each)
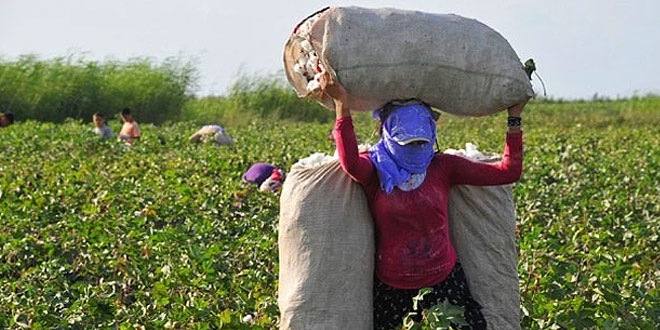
(334, 89)
(338, 94)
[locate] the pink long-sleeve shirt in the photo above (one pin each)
(412, 237)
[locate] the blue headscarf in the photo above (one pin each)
(394, 158)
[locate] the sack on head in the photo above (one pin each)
(455, 64)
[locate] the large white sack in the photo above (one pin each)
(326, 250)
(482, 226)
(456, 64)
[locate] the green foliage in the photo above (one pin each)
(265, 97)
(95, 235)
(439, 317)
(72, 87)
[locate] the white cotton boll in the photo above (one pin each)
(299, 69)
(306, 45)
(455, 152)
(247, 318)
(265, 185)
(312, 65)
(313, 57)
(310, 71)
(313, 85)
(315, 159)
(303, 59)
(472, 152)
(364, 147)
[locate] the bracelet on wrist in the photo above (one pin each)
(513, 121)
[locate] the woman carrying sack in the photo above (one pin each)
(402, 173)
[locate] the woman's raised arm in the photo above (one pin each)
(358, 168)
(508, 170)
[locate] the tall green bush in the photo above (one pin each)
(73, 87)
(256, 97)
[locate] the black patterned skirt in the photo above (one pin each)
(391, 305)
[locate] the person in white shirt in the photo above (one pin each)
(101, 128)
(213, 133)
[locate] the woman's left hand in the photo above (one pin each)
(516, 109)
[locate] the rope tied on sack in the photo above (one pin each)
(530, 67)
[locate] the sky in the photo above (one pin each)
(609, 47)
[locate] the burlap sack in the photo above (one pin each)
(482, 226)
(455, 64)
(326, 251)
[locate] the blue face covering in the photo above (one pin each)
(393, 156)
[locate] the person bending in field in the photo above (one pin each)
(6, 119)
(101, 128)
(213, 133)
(266, 176)
(130, 130)
(407, 187)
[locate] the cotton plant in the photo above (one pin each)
(443, 316)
